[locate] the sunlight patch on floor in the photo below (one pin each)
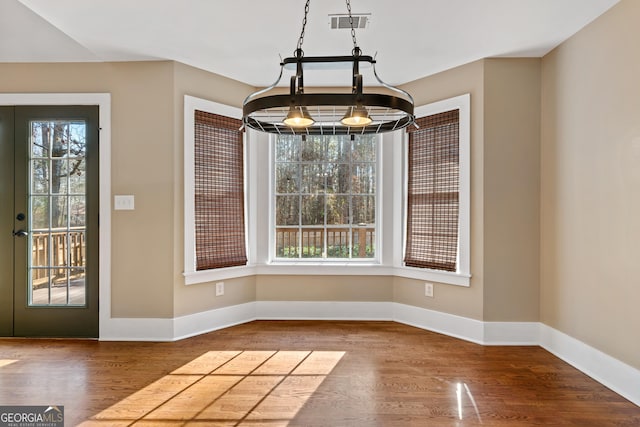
(226, 388)
(5, 362)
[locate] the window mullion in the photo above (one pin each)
(299, 160)
(350, 197)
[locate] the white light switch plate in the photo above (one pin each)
(124, 203)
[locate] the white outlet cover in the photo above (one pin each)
(219, 289)
(428, 290)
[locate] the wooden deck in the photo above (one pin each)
(306, 373)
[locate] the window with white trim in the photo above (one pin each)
(324, 198)
(218, 191)
(215, 244)
(433, 192)
(437, 198)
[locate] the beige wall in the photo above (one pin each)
(147, 254)
(505, 138)
(452, 299)
(590, 204)
(199, 297)
(147, 161)
(511, 189)
(324, 288)
(141, 129)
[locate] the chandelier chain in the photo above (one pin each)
(353, 31)
(304, 24)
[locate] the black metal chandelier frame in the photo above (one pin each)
(328, 113)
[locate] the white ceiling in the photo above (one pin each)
(244, 39)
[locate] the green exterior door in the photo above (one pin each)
(49, 243)
(6, 220)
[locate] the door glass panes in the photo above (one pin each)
(325, 196)
(57, 205)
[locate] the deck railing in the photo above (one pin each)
(65, 252)
(294, 242)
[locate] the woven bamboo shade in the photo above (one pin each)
(219, 192)
(433, 186)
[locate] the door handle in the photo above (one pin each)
(20, 233)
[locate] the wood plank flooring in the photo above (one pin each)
(306, 373)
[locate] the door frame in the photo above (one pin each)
(103, 101)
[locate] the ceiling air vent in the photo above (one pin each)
(339, 22)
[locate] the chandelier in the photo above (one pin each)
(354, 113)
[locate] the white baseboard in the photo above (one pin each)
(612, 373)
(436, 321)
(134, 329)
(608, 371)
(324, 310)
(212, 320)
(511, 333)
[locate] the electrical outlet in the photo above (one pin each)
(219, 289)
(428, 290)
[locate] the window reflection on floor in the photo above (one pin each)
(226, 388)
(460, 398)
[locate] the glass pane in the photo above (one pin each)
(364, 178)
(77, 139)
(40, 176)
(287, 210)
(59, 286)
(364, 210)
(77, 211)
(39, 250)
(313, 149)
(364, 239)
(312, 210)
(59, 211)
(338, 149)
(288, 149)
(39, 286)
(313, 179)
(77, 248)
(59, 249)
(40, 139)
(312, 243)
(338, 178)
(364, 148)
(287, 177)
(60, 140)
(39, 212)
(59, 174)
(338, 243)
(287, 242)
(337, 210)
(77, 286)
(77, 176)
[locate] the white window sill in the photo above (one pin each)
(327, 268)
(334, 268)
(194, 277)
(451, 278)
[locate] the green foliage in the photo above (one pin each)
(337, 251)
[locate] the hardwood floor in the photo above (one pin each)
(306, 373)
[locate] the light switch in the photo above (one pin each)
(124, 203)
